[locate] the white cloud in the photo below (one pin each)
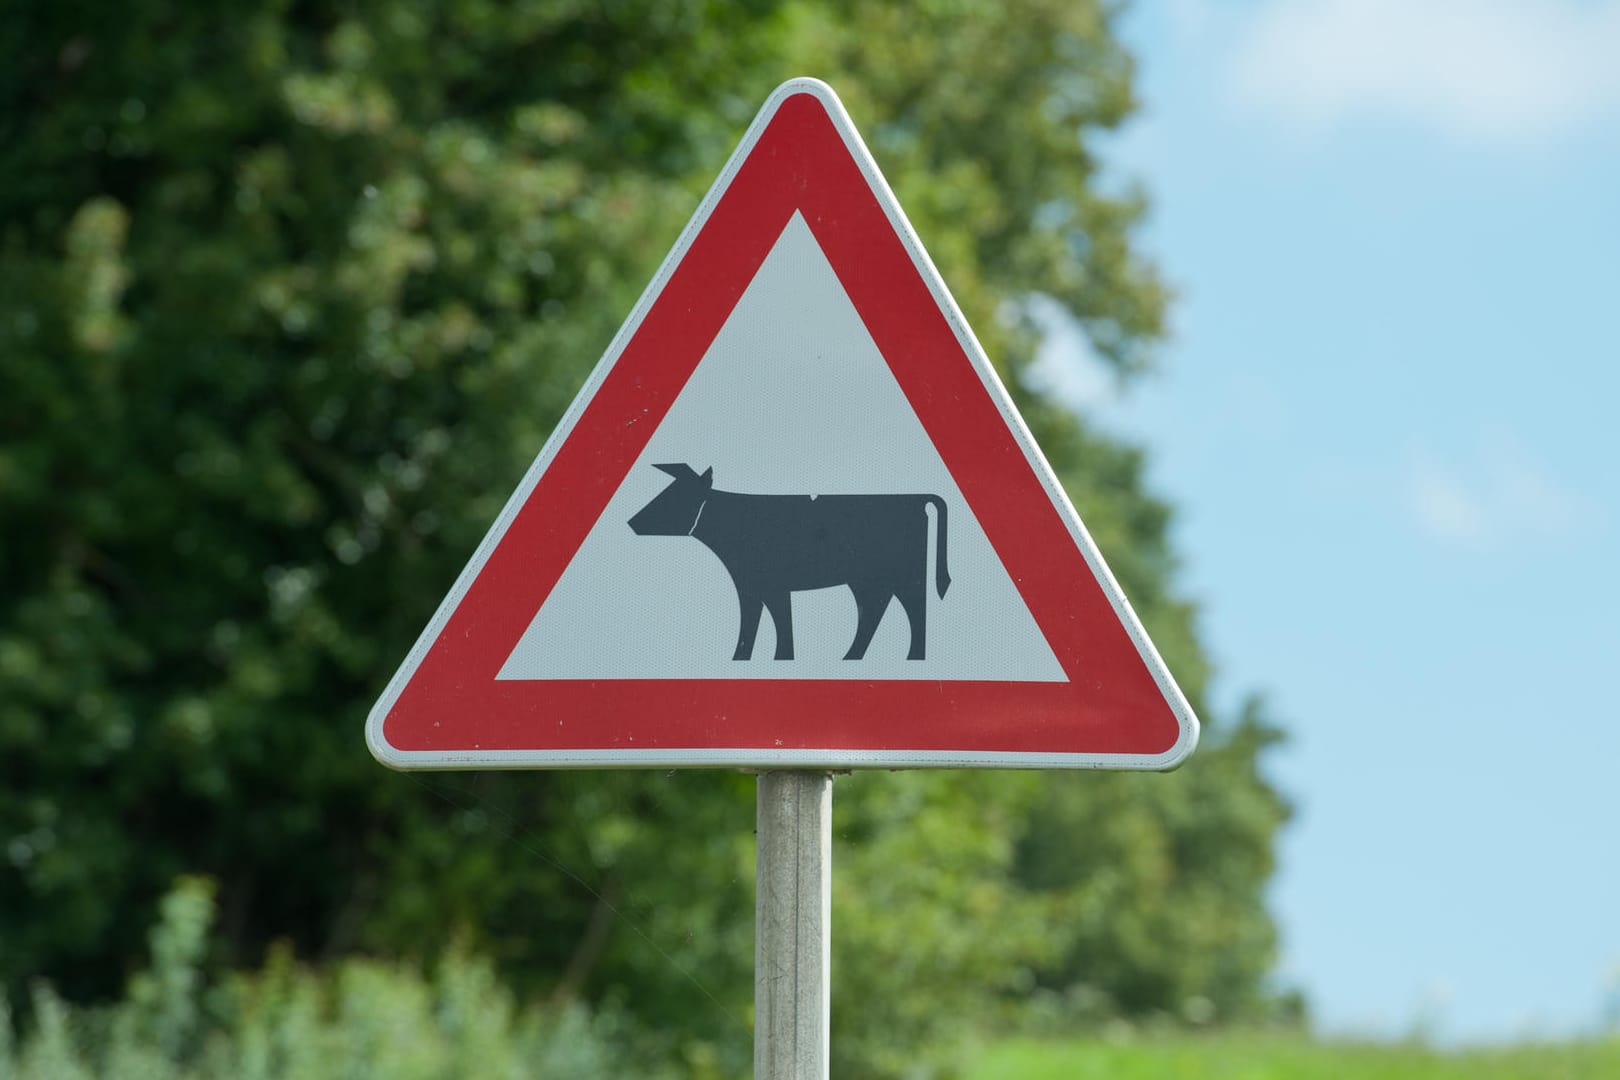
(1481, 71)
(1500, 498)
(1444, 508)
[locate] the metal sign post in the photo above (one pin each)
(793, 926)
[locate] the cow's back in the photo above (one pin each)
(795, 542)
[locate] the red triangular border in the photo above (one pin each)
(1120, 707)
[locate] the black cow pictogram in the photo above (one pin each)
(776, 545)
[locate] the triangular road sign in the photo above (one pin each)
(792, 520)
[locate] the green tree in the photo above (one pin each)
(290, 295)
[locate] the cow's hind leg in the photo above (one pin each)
(781, 608)
(870, 604)
(914, 598)
(751, 607)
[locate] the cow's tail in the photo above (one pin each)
(942, 576)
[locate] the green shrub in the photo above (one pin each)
(287, 1021)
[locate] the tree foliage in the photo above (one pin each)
(289, 296)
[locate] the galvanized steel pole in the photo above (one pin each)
(793, 926)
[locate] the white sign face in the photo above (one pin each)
(792, 520)
(792, 398)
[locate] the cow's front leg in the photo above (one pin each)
(781, 605)
(751, 608)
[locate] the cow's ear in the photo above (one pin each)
(680, 471)
(708, 477)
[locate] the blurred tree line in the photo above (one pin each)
(292, 292)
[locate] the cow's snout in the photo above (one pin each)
(656, 519)
(671, 513)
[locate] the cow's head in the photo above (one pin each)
(674, 511)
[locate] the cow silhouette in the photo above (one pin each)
(777, 545)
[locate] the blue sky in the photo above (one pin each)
(1388, 421)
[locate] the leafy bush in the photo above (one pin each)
(360, 1018)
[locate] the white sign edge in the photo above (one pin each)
(1187, 720)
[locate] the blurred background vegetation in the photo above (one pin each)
(290, 295)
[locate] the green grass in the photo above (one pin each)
(1281, 1057)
